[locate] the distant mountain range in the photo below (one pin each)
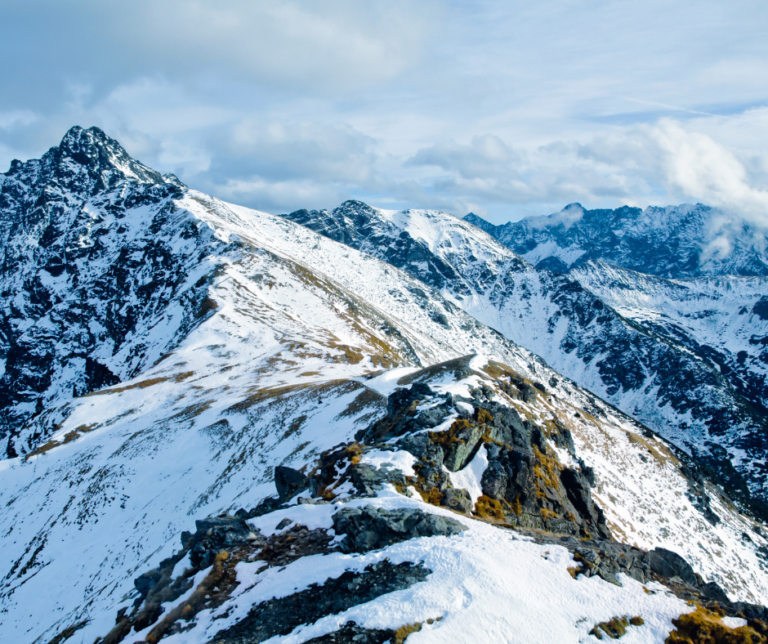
(675, 242)
(359, 426)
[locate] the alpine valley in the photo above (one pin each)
(369, 426)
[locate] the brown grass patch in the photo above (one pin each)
(492, 510)
(448, 438)
(151, 382)
(706, 626)
(68, 438)
(547, 470)
(402, 633)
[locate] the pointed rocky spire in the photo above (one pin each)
(102, 155)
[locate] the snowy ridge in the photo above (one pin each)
(291, 344)
(648, 376)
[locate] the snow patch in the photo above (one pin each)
(470, 477)
(400, 460)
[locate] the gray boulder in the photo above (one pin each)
(370, 528)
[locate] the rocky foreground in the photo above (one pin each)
(436, 473)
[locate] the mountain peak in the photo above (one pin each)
(86, 160)
(481, 223)
(99, 153)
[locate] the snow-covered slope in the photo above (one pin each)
(657, 381)
(312, 355)
(723, 320)
(676, 241)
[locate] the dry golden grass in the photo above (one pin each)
(704, 626)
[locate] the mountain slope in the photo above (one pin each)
(676, 241)
(723, 320)
(312, 356)
(646, 375)
(100, 274)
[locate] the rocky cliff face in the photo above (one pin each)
(468, 453)
(722, 320)
(676, 241)
(653, 377)
(101, 275)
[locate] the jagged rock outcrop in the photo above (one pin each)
(100, 276)
(516, 454)
(370, 528)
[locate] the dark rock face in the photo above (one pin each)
(351, 633)
(608, 559)
(369, 528)
(402, 415)
(289, 481)
(666, 563)
(281, 616)
(212, 536)
(94, 253)
(523, 485)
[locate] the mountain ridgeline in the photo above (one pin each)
(674, 242)
(676, 386)
(223, 425)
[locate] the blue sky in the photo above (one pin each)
(506, 109)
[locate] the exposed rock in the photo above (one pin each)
(212, 536)
(576, 486)
(461, 447)
(294, 543)
(283, 615)
(368, 479)
(563, 439)
(289, 482)
(351, 633)
(422, 448)
(267, 505)
(458, 500)
(403, 415)
(666, 563)
(523, 485)
(369, 528)
(527, 393)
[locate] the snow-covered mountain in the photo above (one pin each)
(101, 275)
(652, 377)
(676, 241)
(307, 444)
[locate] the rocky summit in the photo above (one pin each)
(360, 425)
